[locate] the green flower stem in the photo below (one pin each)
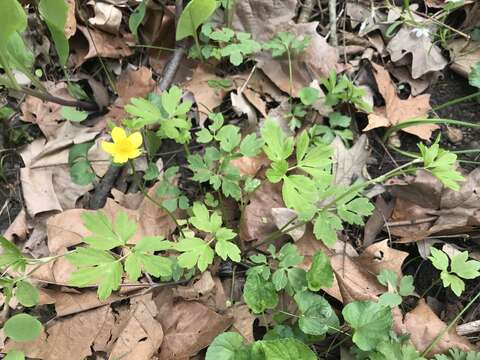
(456, 101)
(147, 195)
(450, 325)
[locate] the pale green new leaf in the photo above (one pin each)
(55, 13)
(226, 249)
(277, 146)
(390, 299)
(439, 259)
(466, 269)
(195, 14)
(195, 252)
(146, 112)
(11, 256)
(72, 114)
(453, 281)
(251, 145)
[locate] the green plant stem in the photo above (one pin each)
(456, 101)
(421, 121)
(290, 72)
(45, 96)
(397, 171)
(450, 325)
(154, 201)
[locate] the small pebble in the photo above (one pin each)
(455, 135)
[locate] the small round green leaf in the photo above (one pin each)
(22, 327)
(26, 294)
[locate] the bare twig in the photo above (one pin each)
(306, 11)
(54, 99)
(172, 66)
(332, 13)
(104, 187)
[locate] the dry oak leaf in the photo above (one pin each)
(397, 110)
(135, 83)
(46, 182)
(257, 219)
(70, 338)
(140, 337)
(314, 63)
(189, 326)
(248, 165)
(242, 321)
(43, 113)
(99, 44)
(456, 211)
(206, 97)
(426, 56)
(349, 165)
(71, 23)
(107, 17)
(355, 276)
(423, 326)
(465, 54)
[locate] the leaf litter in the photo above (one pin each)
(146, 320)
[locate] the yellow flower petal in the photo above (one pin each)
(118, 134)
(120, 158)
(134, 153)
(108, 147)
(135, 139)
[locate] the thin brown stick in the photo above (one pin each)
(411, 222)
(84, 105)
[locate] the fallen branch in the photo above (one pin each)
(172, 66)
(332, 13)
(99, 197)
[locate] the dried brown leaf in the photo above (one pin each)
(206, 97)
(257, 220)
(397, 110)
(189, 326)
(423, 326)
(135, 83)
(426, 56)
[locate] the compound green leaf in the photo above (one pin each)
(466, 269)
(277, 146)
(326, 226)
(195, 252)
(308, 95)
(251, 145)
(453, 281)
(439, 259)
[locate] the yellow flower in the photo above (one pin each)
(123, 147)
